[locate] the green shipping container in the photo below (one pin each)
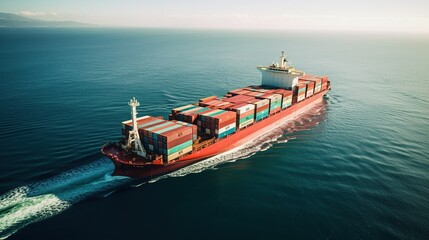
(179, 147)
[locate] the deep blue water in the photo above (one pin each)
(354, 167)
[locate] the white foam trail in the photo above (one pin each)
(35, 202)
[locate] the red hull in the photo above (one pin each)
(126, 166)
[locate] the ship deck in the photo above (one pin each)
(207, 149)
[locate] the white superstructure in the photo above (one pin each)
(280, 74)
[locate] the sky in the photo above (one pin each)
(400, 16)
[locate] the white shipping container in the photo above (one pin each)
(262, 102)
(246, 108)
(226, 128)
(276, 97)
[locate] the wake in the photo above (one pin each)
(32, 203)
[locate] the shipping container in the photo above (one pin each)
(246, 123)
(310, 87)
(275, 101)
(168, 138)
(245, 114)
(211, 123)
(225, 128)
(190, 116)
(286, 97)
(317, 81)
(324, 82)
(238, 99)
(206, 99)
(183, 108)
(173, 156)
(216, 103)
(235, 91)
(193, 126)
(300, 87)
(260, 89)
(226, 133)
(262, 114)
(243, 92)
(141, 122)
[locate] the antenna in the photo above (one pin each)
(133, 135)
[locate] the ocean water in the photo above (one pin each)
(356, 166)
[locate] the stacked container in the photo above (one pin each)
(286, 97)
(275, 101)
(215, 104)
(191, 116)
(193, 126)
(310, 87)
(169, 139)
(259, 89)
(206, 99)
(217, 123)
(127, 126)
(255, 94)
(299, 92)
(238, 99)
(235, 91)
(317, 82)
(239, 91)
(318, 85)
(324, 82)
(183, 108)
(245, 114)
(262, 108)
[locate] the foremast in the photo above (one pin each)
(134, 142)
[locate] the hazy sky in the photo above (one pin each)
(357, 15)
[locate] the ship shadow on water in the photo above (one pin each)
(34, 202)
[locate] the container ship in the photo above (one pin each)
(153, 146)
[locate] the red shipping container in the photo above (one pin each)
(140, 121)
(225, 123)
(259, 109)
(238, 99)
(178, 141)
(225, 107)
(243, 92)
(310, 84)
(177, 133)
(206, 99)
(284, 93)
(235, 91)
